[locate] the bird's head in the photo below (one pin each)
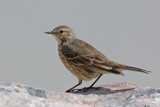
(62, 33)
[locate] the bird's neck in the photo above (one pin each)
(63, 41)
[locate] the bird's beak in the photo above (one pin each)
(49, 32)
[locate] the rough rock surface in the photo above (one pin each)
(115, 95)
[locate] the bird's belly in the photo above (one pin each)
(78, 71)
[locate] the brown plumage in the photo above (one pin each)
(83, 60)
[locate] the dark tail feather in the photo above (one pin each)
(136, 69)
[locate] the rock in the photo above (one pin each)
(115, 95)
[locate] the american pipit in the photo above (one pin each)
(83, 60)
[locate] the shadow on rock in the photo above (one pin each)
(99, 91)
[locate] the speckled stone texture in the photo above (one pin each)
(114, 95)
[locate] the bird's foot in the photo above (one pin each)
(85, 89)
(69, 91)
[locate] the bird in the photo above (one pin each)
(83, 60)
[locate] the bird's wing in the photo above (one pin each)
(84, 57)
(87, 60)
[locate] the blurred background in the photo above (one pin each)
(125, 31)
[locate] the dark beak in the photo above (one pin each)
(49, 32)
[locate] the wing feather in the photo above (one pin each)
(77, 58)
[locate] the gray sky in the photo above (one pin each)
(125, 31)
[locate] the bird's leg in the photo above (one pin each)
(87, 88)
(79, 83)
(95, 81)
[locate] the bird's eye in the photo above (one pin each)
(61, 31)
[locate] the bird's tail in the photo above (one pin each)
(135, 69)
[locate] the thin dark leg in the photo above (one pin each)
(80, 82)
(87, 88)
(96, 80)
